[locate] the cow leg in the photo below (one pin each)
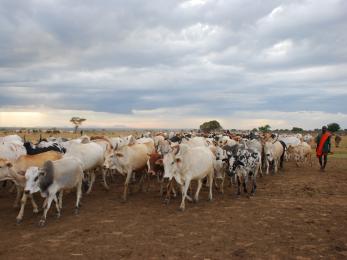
(46, 208)
(245, 181)
(169, 188)
(125, 193)
(275, 166)
(104, 174)
(92, 180)
(142, 178)
(184, 194)
(33, 203)
(78, 197)
(187, 196)
(161, 187)
(267, 166)
(148, 176)
(210, 177)
(196, 197)
(18, 197)
(21, 211)
(260, 169)
(238, 185)
(254, 186)
(56, 201)
(61, 199)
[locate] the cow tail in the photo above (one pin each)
(284, 151)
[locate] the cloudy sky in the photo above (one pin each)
(173, 64)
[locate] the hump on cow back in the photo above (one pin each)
(47, 179)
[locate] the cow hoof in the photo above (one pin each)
(35, 211)
(77, 211)
(57, 215)
(42, 223)
(18, 221)
(181, 209)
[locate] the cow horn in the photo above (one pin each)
(116, 147)
(24, 139)
(40, 138)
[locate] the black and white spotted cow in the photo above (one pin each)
(242, 165)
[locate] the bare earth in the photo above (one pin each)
(298, 214)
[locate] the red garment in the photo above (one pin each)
(324, 138)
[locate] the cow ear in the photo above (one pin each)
(177, 160)
(9, 164)
(119, 155)
(159, 162)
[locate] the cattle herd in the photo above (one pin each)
(174, 159)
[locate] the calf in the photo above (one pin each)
(54, 177)
(246, 163)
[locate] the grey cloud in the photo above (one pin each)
(220, 56)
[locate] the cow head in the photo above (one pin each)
(221, 154)
(32, 180)
(5, 169)
(268, 151)
(234, 164)
(171, 162)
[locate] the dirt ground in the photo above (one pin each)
(298, 214)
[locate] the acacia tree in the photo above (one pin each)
(210, 126)
(77, 121)
(265, 128)
(334, 127)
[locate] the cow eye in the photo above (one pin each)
(36, 178)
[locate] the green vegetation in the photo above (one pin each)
(297, 129)
(334, 127)
(265, 128)
(211, 126)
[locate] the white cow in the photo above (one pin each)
(92, 157)
(11, 150)
(54, 177)
(300, 153)
(128, 159)
(290, 140)
(274, 153)
(189, 163)
(11, 139)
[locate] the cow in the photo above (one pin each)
(155, 167)
(54, 177)
(223, 140)
(31, 150)
(15, 171)
(92, 157)
(185, 164)
(11, 150)
(289, 140)
(54, 146)
(300, 153)
(11, 139)
(337, 140)
(274, 154)
(128, 159)
(242, 165)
